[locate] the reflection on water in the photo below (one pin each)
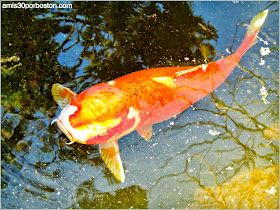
(130, 197)
(224, 145)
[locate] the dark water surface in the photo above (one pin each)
(223, 152)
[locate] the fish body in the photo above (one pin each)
(108, 111)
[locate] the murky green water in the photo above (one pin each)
(225, 145)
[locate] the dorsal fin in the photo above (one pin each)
(180, 73)
(202, 67)
(62, 95)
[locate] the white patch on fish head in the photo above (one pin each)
(74, 135)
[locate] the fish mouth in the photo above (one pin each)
(64, 130)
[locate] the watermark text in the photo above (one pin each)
(22, 5)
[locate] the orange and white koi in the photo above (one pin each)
(108, 111)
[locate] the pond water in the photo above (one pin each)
(222, 152)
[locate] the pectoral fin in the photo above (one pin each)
(145, 131)
(111, 156)
(62, 95)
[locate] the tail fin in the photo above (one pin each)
(251, 35)
(256, 23)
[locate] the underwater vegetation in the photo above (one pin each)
(256, 189)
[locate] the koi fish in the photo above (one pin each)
(108, 111)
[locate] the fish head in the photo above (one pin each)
(74, 134)
(96, 116)
(96, 132)
(77, 124)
